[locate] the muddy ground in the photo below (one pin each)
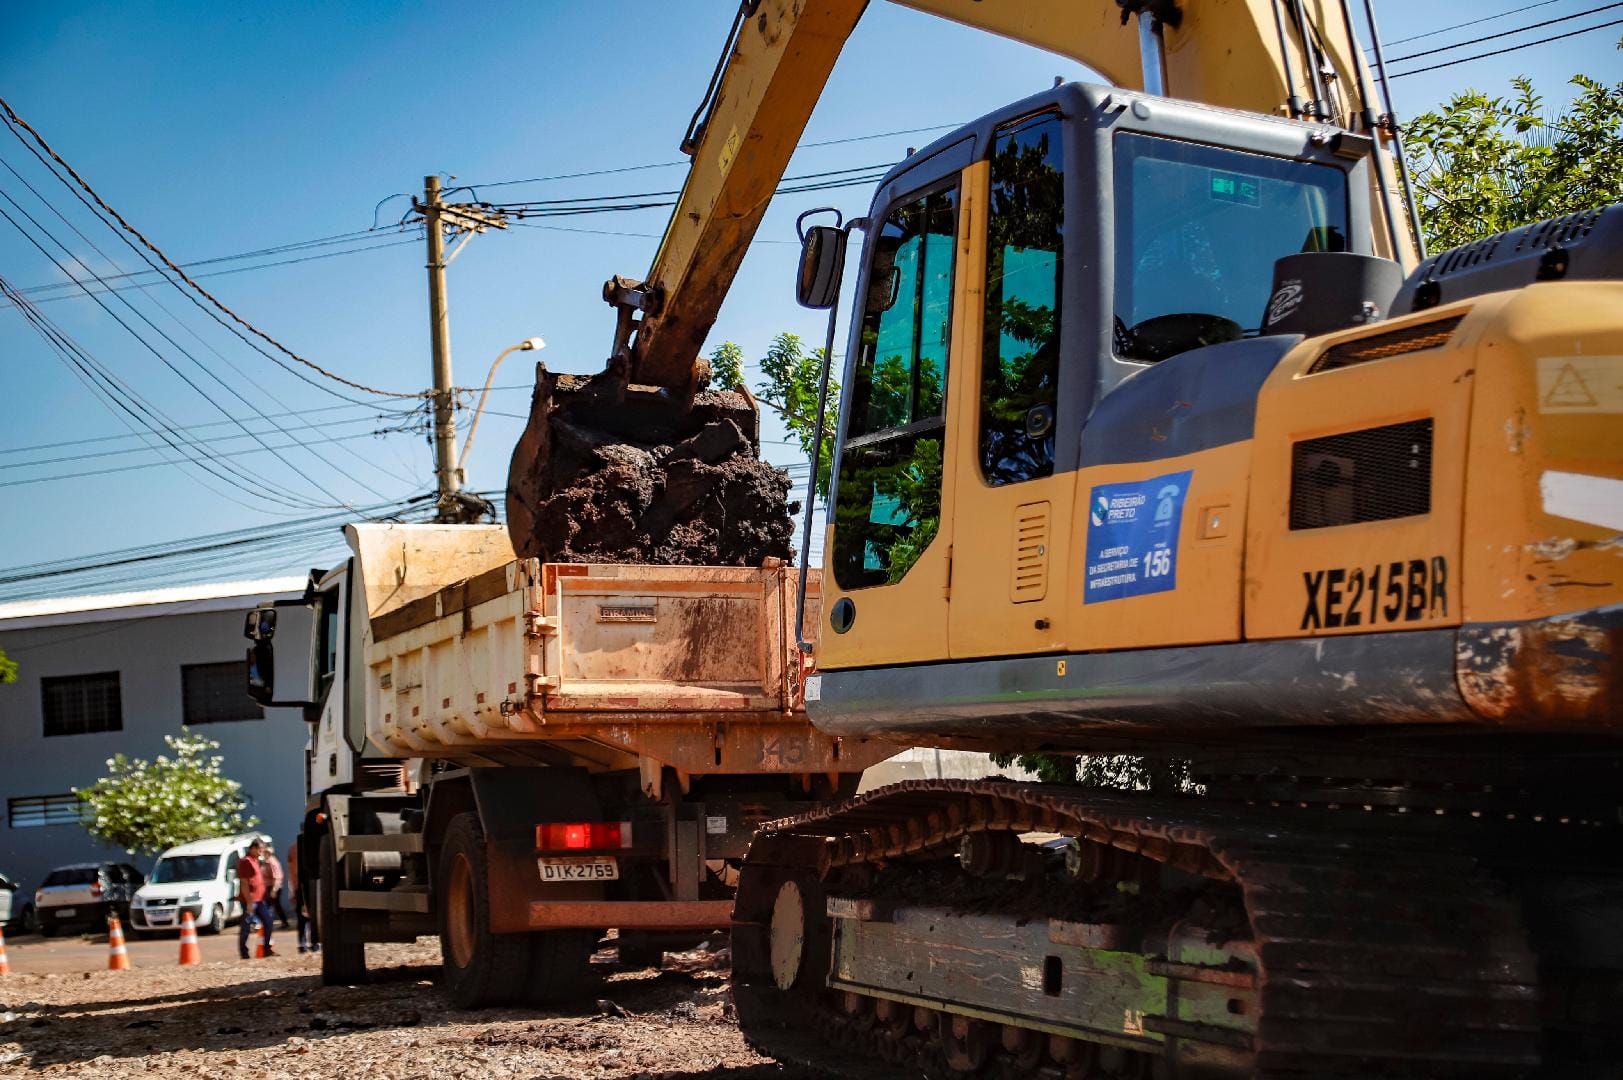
(272, 1018)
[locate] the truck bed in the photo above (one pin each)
(601, 665)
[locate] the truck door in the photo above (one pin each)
(889, 541)
(1012, 512)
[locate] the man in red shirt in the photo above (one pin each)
(251, 891)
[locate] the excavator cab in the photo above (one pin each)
(1015, 274)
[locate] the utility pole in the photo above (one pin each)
(439, 217)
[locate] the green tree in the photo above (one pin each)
(1485, 164)
(8, 668)
(727, 366)
(792, 376)
(147, 806)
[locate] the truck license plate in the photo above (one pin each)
(66, 912)
(604, 868)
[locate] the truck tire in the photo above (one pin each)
(480, 968)
(560, 968)
(343, 957)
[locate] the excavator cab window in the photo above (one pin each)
(1198, 229)
(1024, 259)
(888, 506)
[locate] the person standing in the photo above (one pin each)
(274, 882)
(251, 891)
(295, 888)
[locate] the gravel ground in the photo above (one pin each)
(272, 1019)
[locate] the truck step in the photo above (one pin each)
(398, 900)
(406, 843)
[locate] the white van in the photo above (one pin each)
(200, 877)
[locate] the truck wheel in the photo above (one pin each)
(560, 966)
(480, 968)
(343, 959)
(216, 921)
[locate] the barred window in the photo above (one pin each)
(216, 693)
(32, 811)
(82, 704)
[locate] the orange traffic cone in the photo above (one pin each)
(189, 952)
(264, 941)
(118, 957)
(5, 965)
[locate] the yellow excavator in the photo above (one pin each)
(1161, 435)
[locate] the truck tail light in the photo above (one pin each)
(95, 889)
(582, 835)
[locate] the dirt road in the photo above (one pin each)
(81, 953)
(270, 1019)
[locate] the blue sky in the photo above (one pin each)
(218, 129)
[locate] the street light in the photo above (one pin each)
(524, 346)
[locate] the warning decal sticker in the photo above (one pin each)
(1580, 384)
(1133, 537)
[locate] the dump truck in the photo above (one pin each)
(518, 756)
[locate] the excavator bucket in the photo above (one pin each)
(611, 471)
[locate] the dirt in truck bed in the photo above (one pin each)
(603, 475)
(272, 1018)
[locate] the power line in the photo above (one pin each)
(120, 398)
(86, 473)
(178, 322)
(318, 485)
(250, 327)
(1507, 49)
(210, 424)
(1505, 33)
(689, 161)
(1471, 22)
(36, 289)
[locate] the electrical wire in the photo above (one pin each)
(192, 427)
(688, 162)
(150, 563)
(34, 290)
(1507, 49)
(1470, 22)
(18, 121)
(305, 424)
(216, 440)
(1505, 33)
(130, 408)
(317, 484)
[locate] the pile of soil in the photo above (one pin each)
(617, 474)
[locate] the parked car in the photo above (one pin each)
(84, 895)
(200, 877)
(16, 910)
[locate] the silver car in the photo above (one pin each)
(84, 895)
(16, 909)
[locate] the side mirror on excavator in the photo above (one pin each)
(822, 261)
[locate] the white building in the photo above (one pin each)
(104, 674)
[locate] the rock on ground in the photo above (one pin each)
(273, 1020)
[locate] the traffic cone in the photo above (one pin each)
(264, 941)
(5, 965)
(189, 952)
(118, 957)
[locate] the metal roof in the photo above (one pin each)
(178, 600)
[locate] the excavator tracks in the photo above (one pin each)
(908, 932)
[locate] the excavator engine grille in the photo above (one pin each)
(1409, 339)
(1372, 475)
